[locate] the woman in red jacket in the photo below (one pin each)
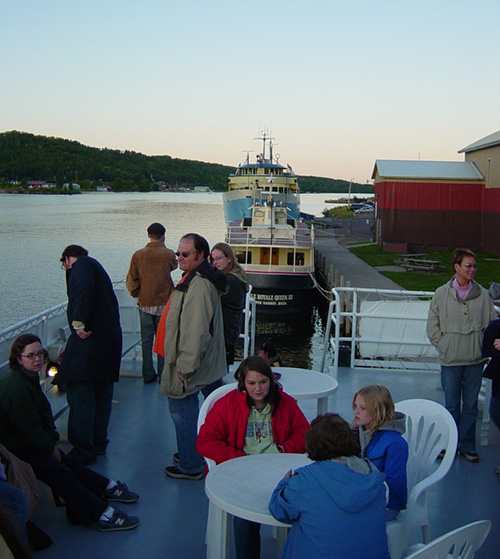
(255, 418)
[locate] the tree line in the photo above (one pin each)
(24, 157)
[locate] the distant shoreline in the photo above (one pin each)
(38, 191)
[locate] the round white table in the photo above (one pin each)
(303, 384)
(243, 487)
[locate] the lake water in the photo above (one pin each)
(34, 230)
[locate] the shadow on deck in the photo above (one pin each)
(173, 513)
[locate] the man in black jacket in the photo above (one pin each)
(91, 361)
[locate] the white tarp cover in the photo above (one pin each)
(398, 330)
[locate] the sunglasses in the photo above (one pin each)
(184, 254)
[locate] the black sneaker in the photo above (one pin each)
(173, 471)
(119, 521)
(120, 493)
(470, 455)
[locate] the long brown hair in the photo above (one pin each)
(256, 363)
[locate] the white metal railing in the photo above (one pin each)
(249, 320)
(300, 237)
(346, 311)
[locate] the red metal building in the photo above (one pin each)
(439, 205)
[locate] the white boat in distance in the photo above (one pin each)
(253, 183)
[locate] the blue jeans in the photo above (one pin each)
(89, 412)
(184, 412)
(17, 502)
(461, 385)
(246, 538)
(149, 325)
(495, 410)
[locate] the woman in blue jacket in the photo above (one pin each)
(336, 505)
(380, 436)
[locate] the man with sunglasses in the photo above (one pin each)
(195, 355)
(459, 313)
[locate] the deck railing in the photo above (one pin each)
(300, 237)
(386, 329)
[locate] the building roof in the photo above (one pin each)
(399, 169)
(486, 142)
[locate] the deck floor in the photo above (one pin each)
(173, 513)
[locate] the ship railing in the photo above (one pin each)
(51, 326)
(385, 330)
(301, 237)
(295, 269)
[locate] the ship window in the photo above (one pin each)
(243, 256)
(299, 258)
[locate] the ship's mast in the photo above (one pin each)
(264, 139)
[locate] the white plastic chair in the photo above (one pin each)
(207, 405)
(484, 406)
(461, 543)
(430, 428)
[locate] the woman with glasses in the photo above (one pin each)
(233, 300)
(459, 313)
(27, 430)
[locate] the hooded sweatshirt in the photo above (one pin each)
(388, 451)
(337, 510)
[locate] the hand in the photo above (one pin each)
(496, 344)
(288, 474)
(83, 334)
(56, 453)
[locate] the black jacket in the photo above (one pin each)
(492, 370)
(91, 300)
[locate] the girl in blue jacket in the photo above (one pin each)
(380, 436)
(336, 505)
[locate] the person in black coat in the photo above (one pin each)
(91, 360)
(233, 300)
(491, 348)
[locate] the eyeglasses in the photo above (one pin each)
(33, 356)
(469, 266)
(184, 254)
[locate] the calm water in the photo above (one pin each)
(34, 229)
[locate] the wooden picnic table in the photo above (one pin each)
(422, 264)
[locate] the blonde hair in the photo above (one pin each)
(379, 405)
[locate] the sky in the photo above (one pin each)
(338, 84)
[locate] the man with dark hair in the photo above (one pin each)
(195, 356)
(149, 280)
(91, 361)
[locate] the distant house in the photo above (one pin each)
(71, 186)
(439, 205)
(35, 184)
